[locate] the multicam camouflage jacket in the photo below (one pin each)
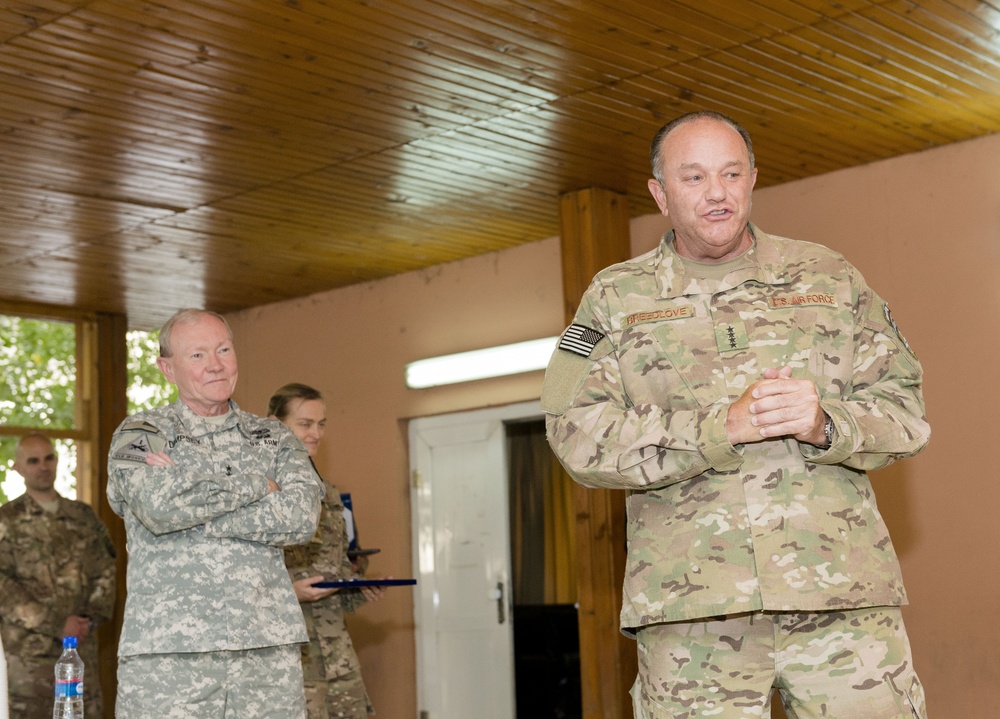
(205, 569)
(636, 396)
(326, 554)
(52, 566)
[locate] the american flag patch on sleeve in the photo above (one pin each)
(580, 340)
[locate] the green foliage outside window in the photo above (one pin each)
(147, 387)
(38, 387)
(37, 373)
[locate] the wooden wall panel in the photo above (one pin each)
(314, 145)
(112, 371)
(595, 234)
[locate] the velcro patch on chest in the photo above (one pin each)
(802, 299)
(663, 314)
(731, 336)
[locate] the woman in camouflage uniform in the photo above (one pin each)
(330, 667)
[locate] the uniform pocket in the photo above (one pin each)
(673, 362)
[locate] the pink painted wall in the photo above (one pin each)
(925, 231)
(352, 345)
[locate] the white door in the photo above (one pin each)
(461, 558)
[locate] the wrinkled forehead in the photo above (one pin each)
(702, 140)
(203, 332)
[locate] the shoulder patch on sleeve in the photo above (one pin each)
(140, 425)
(578, 349)
(881, 318)
(580, 340)
(895, 327)
(136, 440)
(563, 378)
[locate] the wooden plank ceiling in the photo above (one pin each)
(229, 153)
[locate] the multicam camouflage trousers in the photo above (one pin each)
(341, 698)
(250, 684)
(844, 665)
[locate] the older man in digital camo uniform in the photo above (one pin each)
(740, 385)
(209, 495)
(57, 578)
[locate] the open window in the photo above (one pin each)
(47, 382)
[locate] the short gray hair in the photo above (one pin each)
(185, 316)
(656, 147)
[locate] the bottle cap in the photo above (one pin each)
(69, 642)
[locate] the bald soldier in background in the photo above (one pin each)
(740, 386)
(57, 578)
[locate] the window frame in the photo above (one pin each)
(85, 394)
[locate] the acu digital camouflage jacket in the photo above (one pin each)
(205, 565)
(636, 398)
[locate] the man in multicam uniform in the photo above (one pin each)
(209, 495)
(57, 578)
(741, 386)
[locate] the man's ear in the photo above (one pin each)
(166, 368)
(656, 190)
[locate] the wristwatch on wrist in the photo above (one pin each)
(828, 430)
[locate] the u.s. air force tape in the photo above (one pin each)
(580, 340)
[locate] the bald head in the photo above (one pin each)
(36, 460)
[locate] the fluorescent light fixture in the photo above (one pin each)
(480, 364)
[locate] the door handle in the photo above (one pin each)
(501, 607)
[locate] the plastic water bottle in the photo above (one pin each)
(69, 683)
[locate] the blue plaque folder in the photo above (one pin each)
(353, 583)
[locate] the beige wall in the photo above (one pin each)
(352, 344)
(925, 231)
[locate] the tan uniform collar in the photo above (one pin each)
(762, 266)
